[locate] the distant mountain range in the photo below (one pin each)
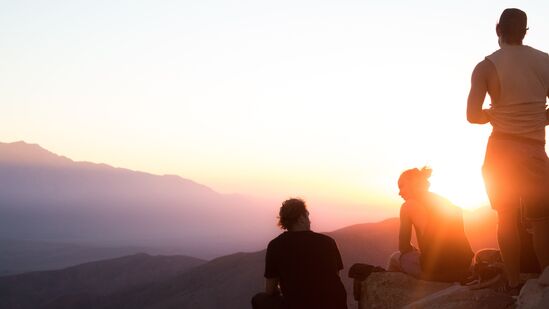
(226, 282)
(55, 212)
(47, 197)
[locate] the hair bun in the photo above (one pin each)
(426, 172)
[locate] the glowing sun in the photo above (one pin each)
(462, 187)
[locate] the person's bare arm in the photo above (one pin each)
(405, 232)
(477, 94)
(271, 286)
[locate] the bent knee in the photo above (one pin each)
(395, 256)
(393, 263)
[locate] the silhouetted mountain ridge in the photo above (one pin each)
(23, 153)
(52, 198)
(30, 154)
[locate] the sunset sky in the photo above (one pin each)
(327, 100)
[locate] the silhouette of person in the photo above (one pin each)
(516, 168)
(301, 266)
(444, 252)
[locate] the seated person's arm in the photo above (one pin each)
(479, 88)
(271, 286)
(271, 271)
(405, 232)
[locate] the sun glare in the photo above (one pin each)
(464, 189)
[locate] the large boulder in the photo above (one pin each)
(395, 290)
(387, 290)
(535, 293)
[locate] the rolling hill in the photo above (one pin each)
(51, 289)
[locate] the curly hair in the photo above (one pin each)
(290, 212)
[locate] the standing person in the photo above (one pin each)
(301, 266)
(515, 169)
(444, 252)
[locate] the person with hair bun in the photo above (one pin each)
(444, 253)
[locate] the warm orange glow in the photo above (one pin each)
(268, 101)
(464, 189)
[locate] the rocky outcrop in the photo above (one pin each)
(387, 290)
(395, 290)
(462, 297)
(535, 293)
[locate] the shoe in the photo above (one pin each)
(361, 271)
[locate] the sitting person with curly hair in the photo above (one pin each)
(444, 252)
(301, 266)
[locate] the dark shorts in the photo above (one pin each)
(516, 175)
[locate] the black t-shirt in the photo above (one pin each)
(307, 265)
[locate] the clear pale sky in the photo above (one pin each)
(327, 100)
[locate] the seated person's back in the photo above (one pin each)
(301, 265)
(444, 251)
(307, 265)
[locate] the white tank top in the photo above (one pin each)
(524, 83)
